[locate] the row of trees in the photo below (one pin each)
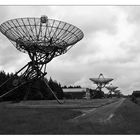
(35, 91)
(71, 86)
(134, 96)
(56, 87)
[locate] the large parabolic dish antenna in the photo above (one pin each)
(101, 81)
(41, 35)
(43, 39)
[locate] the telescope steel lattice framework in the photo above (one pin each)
(42, 39)
(101, 82)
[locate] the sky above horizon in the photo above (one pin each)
(111, 44)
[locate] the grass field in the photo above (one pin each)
(34, 120)
(20, 119)
(72, 104)
(38, 120)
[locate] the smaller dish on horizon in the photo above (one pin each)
(101, 80)
(111, 87)
(117, 91)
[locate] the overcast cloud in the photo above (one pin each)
(111, 44)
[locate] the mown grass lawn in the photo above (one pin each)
(24, 120)
(34, 121)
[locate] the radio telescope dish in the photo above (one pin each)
(101, 81)
(117, 91)
(42, 39)
(111, 87)
(41, 35)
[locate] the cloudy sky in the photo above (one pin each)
(111, 44)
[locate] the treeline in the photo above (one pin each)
(134, 96)
(71, 86)
(33, 91)
(8, 86)
(56, 87)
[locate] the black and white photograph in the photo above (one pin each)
(69, 69)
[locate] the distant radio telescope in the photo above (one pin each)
(101, 82)
(111, 88)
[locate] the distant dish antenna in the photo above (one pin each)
(42, 39)
(117, 93)
(111, 88)
(101, 82)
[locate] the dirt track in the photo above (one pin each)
(102, 114)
